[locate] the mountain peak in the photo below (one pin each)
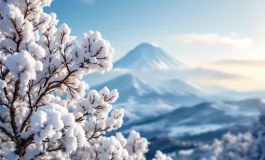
(146, 44)
(147, 57)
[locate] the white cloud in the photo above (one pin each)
(214, 39)
(256, 62)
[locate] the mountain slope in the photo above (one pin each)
(128, 86)
(132, 88)
(147, 57)
(197, 119)
(247, 107)
(204, 113)
(179, 87)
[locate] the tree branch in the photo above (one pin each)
(13, 111)
(35, 106)
(8, 133)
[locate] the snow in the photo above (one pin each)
(51, 121)
(40, 63)
(24, 66)
(147, 57)
(160, 156)
(127, 85)
(193, 130)
(179, 130)
(136, 145)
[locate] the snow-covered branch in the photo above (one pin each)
(40, 63)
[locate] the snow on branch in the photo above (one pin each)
(39, 63)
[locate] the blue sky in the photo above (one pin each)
(126, 23)
(199, 33)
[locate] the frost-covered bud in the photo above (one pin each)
(94, 52)
(53, 121)
(108, 96)
(23, 65)
(136, 145)
(121, 138)
(36, 50)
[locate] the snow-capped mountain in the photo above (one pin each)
(147, 57)
(160, 100)
(163, 104)
(151, 83)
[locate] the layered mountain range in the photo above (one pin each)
(161, 104)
